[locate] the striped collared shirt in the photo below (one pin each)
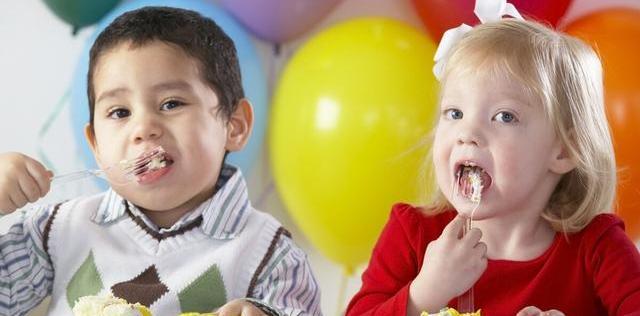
(286, 284)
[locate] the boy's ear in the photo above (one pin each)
(90, 136)
(561, 161)
(239, 126)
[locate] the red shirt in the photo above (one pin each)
(593, 272)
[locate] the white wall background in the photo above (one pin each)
(37, 59)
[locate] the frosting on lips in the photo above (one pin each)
(156, 163)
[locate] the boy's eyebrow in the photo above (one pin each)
(173, 85)
(111, 93)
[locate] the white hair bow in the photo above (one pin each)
(486, 11)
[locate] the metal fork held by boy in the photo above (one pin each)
(121, 172)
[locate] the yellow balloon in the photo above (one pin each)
(349, 114)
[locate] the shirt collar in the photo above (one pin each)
(224, 215)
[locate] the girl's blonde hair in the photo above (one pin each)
(564, 75)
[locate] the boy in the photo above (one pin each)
(179, 237)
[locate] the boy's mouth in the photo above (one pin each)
(158, 162)
(472, 180)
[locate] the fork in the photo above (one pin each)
(125, 170)
(465, 301)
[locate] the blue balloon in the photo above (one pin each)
(253, 78)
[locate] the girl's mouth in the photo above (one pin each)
(472, 181)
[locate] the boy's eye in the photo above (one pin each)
(505, 117)
(453, 114)
(118, 113)
(170, 105)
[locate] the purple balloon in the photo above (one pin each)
(278, 21)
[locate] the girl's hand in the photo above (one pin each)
(239, 307)
(452, 264)
(22, 180)
(534, 311)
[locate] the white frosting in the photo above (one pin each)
(156, 163)
(104, 305)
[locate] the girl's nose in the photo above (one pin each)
(468, 139)
(470, 134)
(146, 127)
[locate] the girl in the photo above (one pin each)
(521, 148)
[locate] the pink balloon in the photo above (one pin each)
(279, 20)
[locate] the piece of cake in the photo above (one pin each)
(156, 163)
(450, 312)
(476, 185)
(107, 305)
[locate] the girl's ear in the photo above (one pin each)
(561, 161)
(239, 126)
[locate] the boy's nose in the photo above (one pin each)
(146, 129)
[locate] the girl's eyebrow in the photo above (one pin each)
(517, 93)
(518, 101)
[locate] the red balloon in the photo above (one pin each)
(441, 15)
(614, 34)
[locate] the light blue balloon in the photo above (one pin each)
(253, 78)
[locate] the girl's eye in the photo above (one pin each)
(505, 117)
(170, 105)
(453, 114)
(118, 113)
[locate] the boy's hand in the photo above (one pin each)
(239, 307)
(22, 180)
(534, 311)
(452, 264)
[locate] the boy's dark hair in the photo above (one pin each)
(198, 36)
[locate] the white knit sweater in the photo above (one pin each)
(190, 271)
